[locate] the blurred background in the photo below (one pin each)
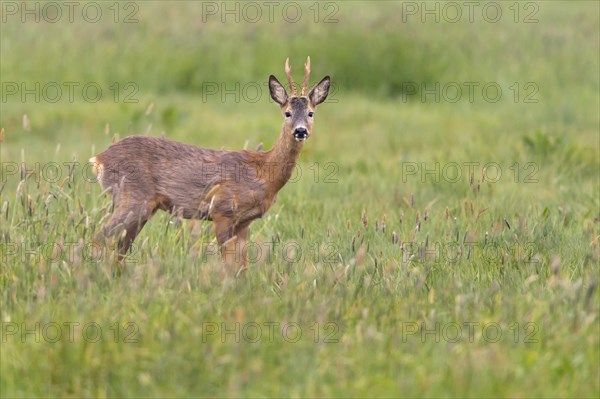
(174, 55)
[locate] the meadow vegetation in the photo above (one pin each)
(426, 247)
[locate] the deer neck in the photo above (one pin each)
(282, 158)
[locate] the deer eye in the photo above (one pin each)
(310, 114)
(288, 114)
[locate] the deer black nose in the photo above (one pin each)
(300, 133)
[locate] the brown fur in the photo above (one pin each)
(229, 188)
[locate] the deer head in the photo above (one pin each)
(298, 110)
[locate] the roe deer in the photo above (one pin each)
(229, 188)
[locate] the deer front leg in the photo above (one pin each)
(232, 240)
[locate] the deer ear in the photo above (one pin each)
(278, 93)
(319, 93)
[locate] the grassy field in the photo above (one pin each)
(440, 237)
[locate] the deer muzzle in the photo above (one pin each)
(300, 134)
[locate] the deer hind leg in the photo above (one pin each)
(126, 223)
(233, 242)
(241, 232)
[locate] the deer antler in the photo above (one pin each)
(288, 72)
(306, 75)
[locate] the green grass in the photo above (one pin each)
(378, 316)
